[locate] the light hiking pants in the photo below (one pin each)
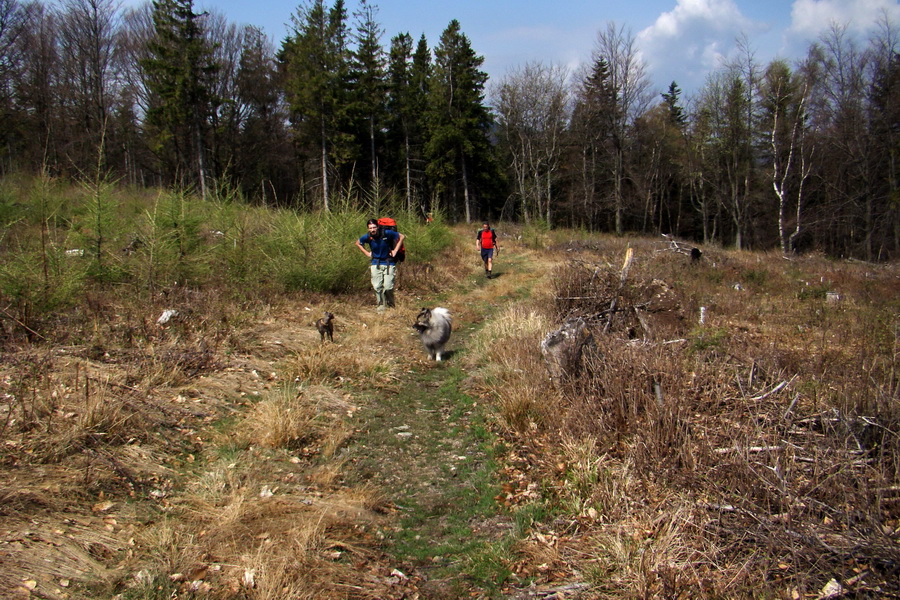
(383, 283)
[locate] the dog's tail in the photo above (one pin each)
(441, 312)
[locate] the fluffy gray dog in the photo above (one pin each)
(434, 326)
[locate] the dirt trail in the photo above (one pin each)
(426, 445)
(181, 487)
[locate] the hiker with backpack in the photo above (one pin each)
(385, 251)
(487, 244)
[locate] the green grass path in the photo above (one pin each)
(426, 444)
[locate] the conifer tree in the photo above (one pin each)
(370, 89)
(316, 62)
(261, 157)
(676, 111)
(458, 150)
(591, 130)
(179, 70)
(422, 70)
(407, 95)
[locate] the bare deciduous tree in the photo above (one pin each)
(630, 84)
(11, 20)
(532, 104)
(87, 46)
(744, 80)
(784, 98)
(226, 41)
(838, 116)
(37, 82)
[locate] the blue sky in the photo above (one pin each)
(680, 40)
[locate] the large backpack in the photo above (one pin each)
(391, 224)
(493, 237)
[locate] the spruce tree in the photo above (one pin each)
(458, 149)
(676, 112)
(591, 132)
(420, 82)
(179, 72)
(370, 91)
(407, 94)
(315, 60)
(260, 158)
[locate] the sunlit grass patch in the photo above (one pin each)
(517, 325)
(507, 349)
(338, 364)
(283, 419)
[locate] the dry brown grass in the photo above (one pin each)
(649, 559)
(282, 419)
(145, 461)
(344, 364)
(509, 346)
(777, 419)
(130, 416)
(266, 545)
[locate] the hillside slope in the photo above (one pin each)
(230, 453)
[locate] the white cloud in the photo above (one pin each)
(692, 15)
(811, 17)
(691, 40)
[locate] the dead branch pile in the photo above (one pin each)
(783, 486)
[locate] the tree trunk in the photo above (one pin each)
(201, 166)
(408, 167)
(375, 187)
(466, 199)
(620, 226)
(324, 168)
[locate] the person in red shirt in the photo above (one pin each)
(486, 242)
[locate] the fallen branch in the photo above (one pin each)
(675, 246)
(644, 324)
(751, 449)
(775, 389)
(623, 276)
(557, 591)
(790, 408)
(21, 324)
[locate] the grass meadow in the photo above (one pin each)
(729, 428)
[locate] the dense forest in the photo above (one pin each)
(791, 156)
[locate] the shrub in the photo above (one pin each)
(536, 235)
(708, 338)
(56, 239)
(283, 419)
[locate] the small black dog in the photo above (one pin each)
(326, 327)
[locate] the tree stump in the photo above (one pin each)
(562, 349)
